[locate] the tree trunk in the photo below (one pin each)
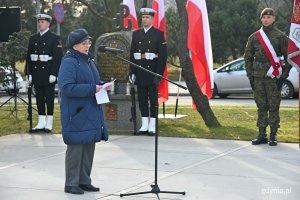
(200, 100)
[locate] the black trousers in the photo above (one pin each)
(45, 94)
(146, 93)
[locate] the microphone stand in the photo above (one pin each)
(155, 188)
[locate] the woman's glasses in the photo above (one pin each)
(86, 42)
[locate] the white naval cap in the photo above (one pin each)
(44, 17)
(147, 11)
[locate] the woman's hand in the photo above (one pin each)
(108, 87)
(98, 88)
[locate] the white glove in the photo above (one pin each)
(137, 56)
(29, 78)
(52, 79)
(132, 78)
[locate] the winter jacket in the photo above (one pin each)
(81, 117)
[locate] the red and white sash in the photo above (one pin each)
(275, 69)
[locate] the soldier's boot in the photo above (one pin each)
(273, 138)
(145, 125)
(41, 124)
(49, 124)
(261, 138)
(152, 126)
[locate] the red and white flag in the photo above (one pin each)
(199, 43)
(132, 15)
(294, 37)
(159, 23)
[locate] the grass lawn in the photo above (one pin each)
(238, 123)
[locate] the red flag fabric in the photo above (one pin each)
(132, 15)
(294, 37)
(159, 23)
(199, 44)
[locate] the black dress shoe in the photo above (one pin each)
(89, 188)
(73, 190)
(36, 130)
(47, 130)
(143, 132)
(150, 133)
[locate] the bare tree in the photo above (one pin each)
(200, 100)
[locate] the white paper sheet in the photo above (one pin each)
(102, 96)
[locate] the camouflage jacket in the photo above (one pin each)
(256, 61)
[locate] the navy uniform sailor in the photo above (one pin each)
(42, 63)
(148, 49)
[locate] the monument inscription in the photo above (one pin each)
(108, 64)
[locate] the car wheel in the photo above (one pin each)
(287, 90)
(215, 91)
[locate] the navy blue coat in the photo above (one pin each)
(81, 117)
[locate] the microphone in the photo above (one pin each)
(103, 48)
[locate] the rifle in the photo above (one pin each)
(133, 109)
(29, 108)
(29, 92)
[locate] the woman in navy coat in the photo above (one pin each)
(81, 117)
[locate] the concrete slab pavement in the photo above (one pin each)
(32, 167)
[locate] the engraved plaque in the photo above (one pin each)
(111, 112)
(107, 62)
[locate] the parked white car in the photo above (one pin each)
(231, 78)
(6, 81)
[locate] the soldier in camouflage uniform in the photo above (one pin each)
(267, 90)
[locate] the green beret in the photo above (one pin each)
(267, 11)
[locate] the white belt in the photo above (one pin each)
(147, 56)
(42, 58)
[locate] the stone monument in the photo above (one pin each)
(118, 110)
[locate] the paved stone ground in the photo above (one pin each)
(32, 167)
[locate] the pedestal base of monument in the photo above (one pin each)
(118, 113)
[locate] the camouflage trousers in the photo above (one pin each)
(267, 98)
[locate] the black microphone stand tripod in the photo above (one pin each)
(14, 94)
(155, 188)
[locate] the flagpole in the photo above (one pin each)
(176, 105)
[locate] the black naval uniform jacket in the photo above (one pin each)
(152, 42)
(47, 44)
